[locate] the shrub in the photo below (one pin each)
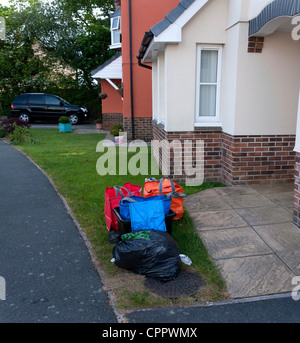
(64, 120)
(115, 131)
(2, 133)
(10, 124)
(21, 135)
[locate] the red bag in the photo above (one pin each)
(113, 195)
(167, 186)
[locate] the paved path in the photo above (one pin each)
(43, 258)
(249, 233)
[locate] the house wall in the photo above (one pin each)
(267, 86)
(259, 96)
(145, 14)
(112, 106)
(180, 78)
(113, 103)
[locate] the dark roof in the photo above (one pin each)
(171, 17)
(106, 63)
(117, 13)
(162, 25)
(278, 8)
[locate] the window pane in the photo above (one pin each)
(51, 100)
(116, 37)
(36, 99)
(208, 97)
(115, 23)
(22, 99)
(209, 66)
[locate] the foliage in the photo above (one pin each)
(98, 121)
(10, 124)
(71, 35)
(64, 120)
(20, 135)
(115, 131)
(2, 133)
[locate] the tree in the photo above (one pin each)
(75, 32)
(72, 33)
(20, 69)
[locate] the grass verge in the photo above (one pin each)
(70, 161)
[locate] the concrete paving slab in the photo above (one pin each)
(237, 242)
(264, 215)
(214, 220)
(255, 243)
(235, 190)
(291, 259)
(283, 199)
(273, 188)
(280, 237)
(205, 203)
(247, 200)
(256, 275)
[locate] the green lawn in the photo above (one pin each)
(70, 160)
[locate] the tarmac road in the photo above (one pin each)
(48, 272)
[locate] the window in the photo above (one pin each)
(36, 99)
(208, 84)
(21, 99)
(115, 28)
(51, 100)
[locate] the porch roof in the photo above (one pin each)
(277, 15)
(111, 69)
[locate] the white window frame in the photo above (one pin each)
(114, 29)
(208, 120)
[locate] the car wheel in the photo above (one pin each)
(25, 117)
(74, 119)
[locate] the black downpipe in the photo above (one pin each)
(131, 72)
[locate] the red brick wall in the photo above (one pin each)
(236, 160)
(142, 128)
(258, 159)
(111, 119)
(212, 151)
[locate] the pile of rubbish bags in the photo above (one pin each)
(141, 226)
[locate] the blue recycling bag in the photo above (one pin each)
(125, 202)
(147, 216)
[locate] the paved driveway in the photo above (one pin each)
(43, 258)
(250, 234)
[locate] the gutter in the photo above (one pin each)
(144, 46)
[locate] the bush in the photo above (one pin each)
(2, 133)
(64, 120)
(10, 124)
(21, 135)
(115, 131)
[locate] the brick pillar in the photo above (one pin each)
(297, 191)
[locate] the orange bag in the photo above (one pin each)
(166, 186)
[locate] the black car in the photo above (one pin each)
(43, 106)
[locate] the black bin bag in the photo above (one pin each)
(151, 253)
